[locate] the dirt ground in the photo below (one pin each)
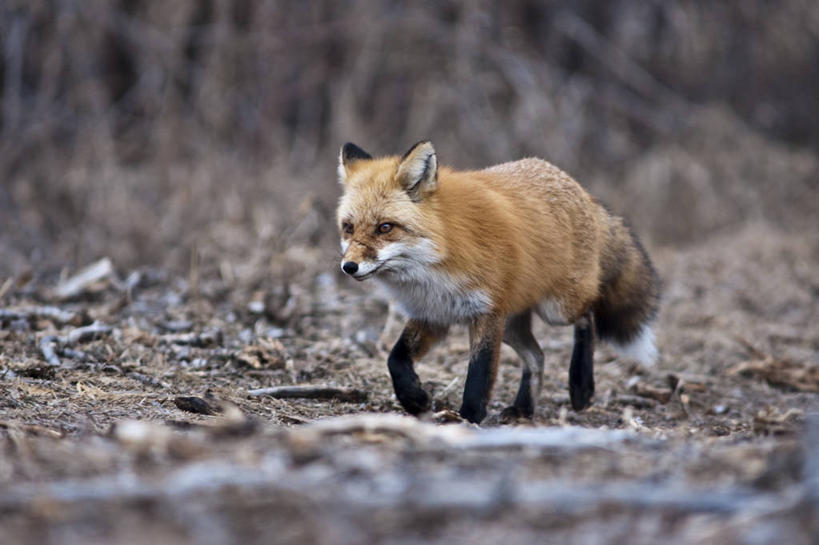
(717, 443)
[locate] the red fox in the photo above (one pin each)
(488, 248)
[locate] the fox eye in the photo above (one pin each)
(385, 228)
(347, 228)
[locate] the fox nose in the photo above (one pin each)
(350, 267)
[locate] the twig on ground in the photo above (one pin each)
(77, 284)
(47, 347)
(312, 392)
(74, 354)
(798, 376)
(6, 286)
(49, 343)
(211, 337)
(754, 351)
(688, 381)
(86, 333)
(55, 314)
(662, 395)
(448, 389)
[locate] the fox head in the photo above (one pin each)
(386, 215)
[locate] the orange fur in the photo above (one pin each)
(521, 231)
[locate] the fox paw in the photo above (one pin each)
(513, 414)
(472, 413)
(414, 400)
(581, 394)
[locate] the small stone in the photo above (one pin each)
(256, 307)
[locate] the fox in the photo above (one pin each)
(491, 248)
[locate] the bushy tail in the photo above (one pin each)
(630, 293)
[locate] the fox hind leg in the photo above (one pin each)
(581, 369)
(518, 334)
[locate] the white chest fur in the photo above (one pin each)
(434, 296)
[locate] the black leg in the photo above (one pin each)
(414, 342)
(485, 339)
(581, 370)
(405, 382)
(518, 335)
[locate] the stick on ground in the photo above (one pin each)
(55, 314)
(78, 283)
(47, 345)
(312, 392)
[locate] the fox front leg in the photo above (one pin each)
(414, 342)
(485, 334)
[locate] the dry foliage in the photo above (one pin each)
(206, 132)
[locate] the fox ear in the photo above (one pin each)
(348, 154)
(418, 170)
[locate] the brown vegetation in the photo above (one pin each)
(144, 130)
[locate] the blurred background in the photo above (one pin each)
(164, 133)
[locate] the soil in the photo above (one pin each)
(717, 443)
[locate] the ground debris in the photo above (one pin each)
(688, 382)
(799, 376)
(277, 304)
(234, 422)
(349, 395)
(205, 339)
(639, 401)
(33, 429)
(363, 466)
(176, 326)
(446, 416)
(668, 445)
(465, 436)
(663, 395)
(87, 333)
(36, 370)
(47, 347)
(771, 420)
(84, 279)
(197, 405)
(266, 354)
(142, 437)
(55, 314)
(50, 345)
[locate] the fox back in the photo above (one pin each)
(449, 245)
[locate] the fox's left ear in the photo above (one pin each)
(418, 170)
(349, 152)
